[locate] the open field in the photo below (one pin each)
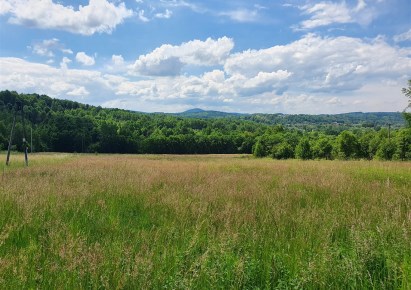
(122, 221)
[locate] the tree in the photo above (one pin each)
(282, 151)
(347, 145)
(407, 93)
(386, 150)
(259, 150)
(322, 148)
(403, 142)
(303, 149)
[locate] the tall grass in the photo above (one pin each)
(205, 222)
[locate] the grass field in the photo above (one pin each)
(203, 222)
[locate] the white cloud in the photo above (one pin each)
(242, 15)
(99, 16)
(63, 82)
(117, 65)
(84, 59)
(325, 64)
(64, 62)
(166, 15)
(312, 75)
(80, 91)
(142, 17)
(182, 4)
(67, 51)
(406, 36)
(169, 59)
(326, 13)
(117, 60)
(46, 47)
(5, 7)
(361, 5)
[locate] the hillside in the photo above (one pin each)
(67, 126)
(373, 119)
(207, 114)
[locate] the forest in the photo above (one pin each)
(54, 125)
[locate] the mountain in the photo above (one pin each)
(207, 114)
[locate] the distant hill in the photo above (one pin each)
(356, 119)
(205, 114)
(66, 126)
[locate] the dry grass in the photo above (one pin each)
(121, 221)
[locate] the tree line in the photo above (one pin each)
(66, 126)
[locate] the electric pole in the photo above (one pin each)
(18, 107)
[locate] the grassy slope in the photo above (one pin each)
(116, 221)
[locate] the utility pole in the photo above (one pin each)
(18, 107)
(389, 131)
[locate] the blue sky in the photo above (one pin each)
(238, 56)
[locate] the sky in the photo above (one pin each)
(249, 56)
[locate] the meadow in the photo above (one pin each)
(72, 221)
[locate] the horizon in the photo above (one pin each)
(170, 56)
(217, 111)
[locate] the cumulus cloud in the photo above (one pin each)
(62, 82)
(84, 59)
(328, 64)
(169, 59)
(99, 16)
(312, 75)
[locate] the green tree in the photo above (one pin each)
(259, 150)
(347, 145)
(282, 151)
(407, 93)
(323, 148)
(303, 149)
(3, 134)
(403, 144)
(386, 150)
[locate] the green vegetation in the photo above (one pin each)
(407, 93)
(204, 222)
(66, 126)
